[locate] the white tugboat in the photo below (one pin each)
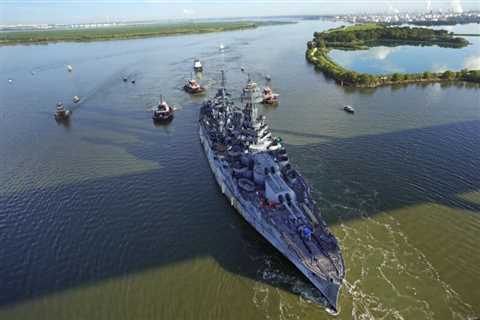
(254, 173)
(197, 65)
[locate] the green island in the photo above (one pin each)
(126, 32)
(364, 36)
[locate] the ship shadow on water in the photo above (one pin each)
(73, 238)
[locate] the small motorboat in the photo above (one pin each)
(61, 113)
(133, 81)
(197, 65)
(269, 97)
(162, 112)
(268, 77)
(193, 87)
(125, 79)
(10, 80)
(242, 69)
(69, 68)
(76, 99)
(349, 109)
(221, 47)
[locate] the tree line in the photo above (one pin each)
(356, 37)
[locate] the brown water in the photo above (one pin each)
(111, 217)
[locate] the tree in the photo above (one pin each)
(396, 76)
(363, 78)
(427, 75)
(448, 75)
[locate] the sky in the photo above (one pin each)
(78, 11)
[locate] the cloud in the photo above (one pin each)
(472, 63)
(429, 5)
(381, 53)
(392, 9)
(188, 12)
(456, 6)
(439, 68)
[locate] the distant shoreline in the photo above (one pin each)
(38, 37)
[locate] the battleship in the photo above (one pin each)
(253, 170)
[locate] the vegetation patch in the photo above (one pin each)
(364, 36)
(124, 32)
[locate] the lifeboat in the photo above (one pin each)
(163, 112)
(61, 113)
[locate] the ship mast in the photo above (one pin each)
(222, 85)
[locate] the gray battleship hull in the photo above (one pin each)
(250, 213)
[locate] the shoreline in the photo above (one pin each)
(42, 37)
(319, 47)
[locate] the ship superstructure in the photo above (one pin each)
(253, 170)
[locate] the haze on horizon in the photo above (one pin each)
(75, 11)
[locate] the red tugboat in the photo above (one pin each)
(193, 87)
(269, 97)
(163, 112)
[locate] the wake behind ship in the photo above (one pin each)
(253, 171)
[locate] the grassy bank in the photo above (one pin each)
(124, 32)
(360, 37)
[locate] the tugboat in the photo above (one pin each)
(61, 113)
(197, 65)
(163, 112)
(349, 109)
(269, 97)
(193, 87)
(76, 99)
